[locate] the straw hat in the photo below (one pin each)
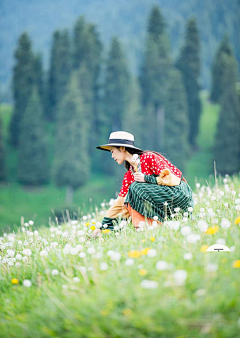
(118, 139)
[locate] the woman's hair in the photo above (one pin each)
(139, 152)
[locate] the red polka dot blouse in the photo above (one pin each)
(151, 163)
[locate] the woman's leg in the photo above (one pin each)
(137, 217)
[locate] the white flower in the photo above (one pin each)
(19, 257)
(81, 239)
(152, 253)
(91, 251)
(84, 217)
(232, 248)
(129, 261)
(55, 272)
(213, 198)
(27, 252)
(226, 187)
(27, 283)
(211, 267)
(134, 157)
(26, 224)
(203, 226)
(10, 253)
(197, 185)
(43, 253)
(18, 264)
(186, 230)
(82, 255)
(73, 251)
(190, 209)
(177, 209)
(237, 201)
(103, 266)
(149, 284)
(25, 259)
(117, 234)
(19, 242)
(193, 238)
(76, 279)
(155, 218)
(98, 225)
(102, 204)
(221, 193)
(233, 193)
(161, 265)
(116, 256)
(142, 224)
(188, 256)
(30, 222)
(225, 223)
(180, 277)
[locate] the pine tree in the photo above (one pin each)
(218, 69)
(38, 73)
(176, 123)
(87, 50)
(227, 142)
(59, 72)
(33, 166)
(154, 79)
(71, 165)
(23, 79)
(189, 64)
(2, 155)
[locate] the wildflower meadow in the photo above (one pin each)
(156, 281)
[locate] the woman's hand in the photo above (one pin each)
(139, 177)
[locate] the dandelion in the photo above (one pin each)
(202, 225)
(152, 239)
(161, 265)
(91, 251)
(236, 264)
(15, 281)
(225, 223)
(190, 209)
(197, 185)
(27, 283)
(212, 230)
(103, 266)
(142, 272)
(193, 238)
(237, 220)
(186, 230)
(76, 279)
(149, 284)
(30, 222)
(188, 256)
(134, 254)
(105, 231)
(155, 218)
(129, 262)
(204, 248)
(180, 277)
(27, 252)
(55, 272)
(43, 253)
(152, 253)
(116, 256)
(213, 198)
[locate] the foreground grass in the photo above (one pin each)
(158, 282)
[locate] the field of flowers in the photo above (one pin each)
(159, 281)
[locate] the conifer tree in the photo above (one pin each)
(33, 166)
(23, 79)
(154, 79)
(218, 69)
(2, 155)
(176, 129)
(87, 50)
(38, 73)
(59, 72)
(227, 142)
(71, 165)
(189, 65)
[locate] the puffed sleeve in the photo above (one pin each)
(125, 185)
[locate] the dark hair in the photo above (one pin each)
(136, 151)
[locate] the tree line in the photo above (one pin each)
(59, 116)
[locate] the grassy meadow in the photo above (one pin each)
(158, 281)
(40, 204)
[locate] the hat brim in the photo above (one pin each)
(106, 146)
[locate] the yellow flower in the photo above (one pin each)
(134, 253)
(127, 312)
(204, 248)
(212, 230)
(236, 264)
(93, 227)
(106, 231)
(237, 220)
(142, 272)
(87, 224)
(15, 281)
(152, 239)
(93, 222)
(143, 240)
(145, 251)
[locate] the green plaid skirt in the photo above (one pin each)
(148, 199)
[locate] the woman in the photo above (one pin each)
(152, 186)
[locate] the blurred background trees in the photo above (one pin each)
(64, 106)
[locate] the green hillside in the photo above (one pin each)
(38, 203)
